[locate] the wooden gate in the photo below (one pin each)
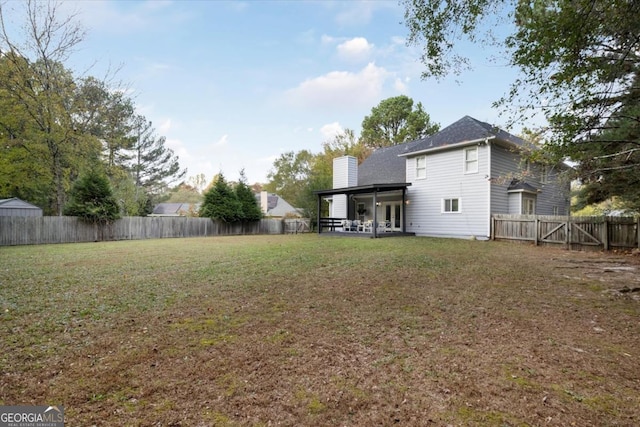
(596, 233)
(298, 225)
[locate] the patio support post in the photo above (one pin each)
(404, 207)
(375, 214)
(318, 212)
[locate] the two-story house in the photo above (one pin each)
(447, 184)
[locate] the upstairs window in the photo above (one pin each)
(471, 160)
(544, 174)
(421, 167)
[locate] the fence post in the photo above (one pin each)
(638, 230)
(569, 230)
(605, 238)
(492, 231)
(535, 229)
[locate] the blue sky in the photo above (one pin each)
(235, 84)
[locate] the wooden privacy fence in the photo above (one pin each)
(296, 225)
(16, 230)
(575, 232)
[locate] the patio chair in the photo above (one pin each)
(384, 227)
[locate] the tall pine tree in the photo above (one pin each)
(221, 203)
(249, 209)
(92, 199)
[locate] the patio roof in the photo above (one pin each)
(362, 189)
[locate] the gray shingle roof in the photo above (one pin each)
(465, 130)
(174, 209)
(14, 202)
(517, 185)
(384, 166)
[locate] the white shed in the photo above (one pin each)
(17, 207)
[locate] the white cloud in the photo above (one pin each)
(340, 89)
(325, 39)
(356, 49)
(100, 15)
(356, 13)
(331, 130)
(179, 149)
(401, 86)
(164, 126)
(224, 140)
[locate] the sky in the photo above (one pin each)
(235, 84)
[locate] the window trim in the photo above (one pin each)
(451, 199)
(544, 174)
(423, 168)
(525, 202)
(467, 162)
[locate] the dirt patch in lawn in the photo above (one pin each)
(304, 330)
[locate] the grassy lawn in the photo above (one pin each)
(322, 331)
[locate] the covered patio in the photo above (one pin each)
(375, 210)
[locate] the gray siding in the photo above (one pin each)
(505, 165)
(446, 179)
(553, 193)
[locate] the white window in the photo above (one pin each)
(421, 167)
(528, 206)
(544, 174)
(450, 205)
(471, 160)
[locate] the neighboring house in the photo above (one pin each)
(274, 206)
(447, 184)
(175, 209)
(17, 207)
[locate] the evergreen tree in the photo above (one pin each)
(221, 203)
(92, 199)
(250, 211)
(153, 165)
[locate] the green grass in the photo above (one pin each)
(309, 330)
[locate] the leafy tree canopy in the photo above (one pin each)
(579, 62)
(295, 176)
(53, 123)
(395, 121)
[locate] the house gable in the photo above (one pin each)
(273, 205)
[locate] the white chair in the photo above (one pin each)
(384, 227)
(347, 225)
